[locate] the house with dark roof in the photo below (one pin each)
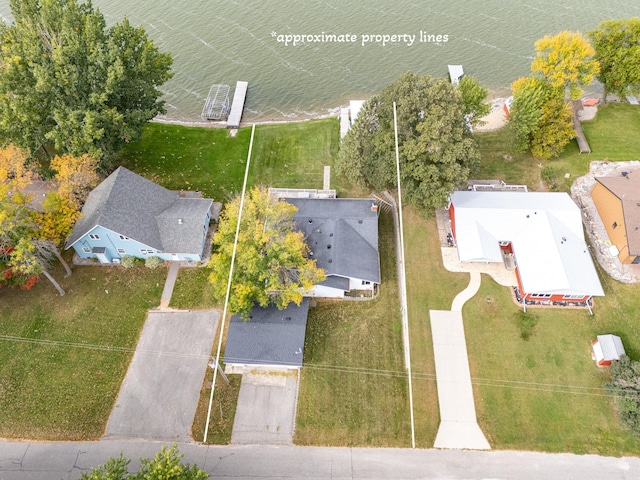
(129, 215)
(342, 234)
(539, 235)
(271, 337)
(617, 199)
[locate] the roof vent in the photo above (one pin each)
(328, 247)
(330, 260)
(310, 221)
(288, 319)
(359, 221)
(179, 221)
(331, 234)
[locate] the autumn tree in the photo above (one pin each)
(566, 61)
(540, 118)
(69, 82)
(272, 264)
(437, 149)
(167, 465)
(617, 51)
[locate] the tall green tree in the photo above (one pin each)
(437, 149)
(567, 61)
(617, 51)
(272, 265)
(474, 97)
(69, 82)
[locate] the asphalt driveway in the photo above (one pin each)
(159, 395)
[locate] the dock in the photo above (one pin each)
(456, 72)
(344, 121)
(583, 145)
(237, 106)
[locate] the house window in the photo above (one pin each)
(121, 251)
(615, 224)
(86, 249)
(572, 297)
(541, 295)
(144, 251)
(93, 236)
(123, 237)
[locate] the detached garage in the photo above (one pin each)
(606, 349)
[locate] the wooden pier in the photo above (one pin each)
(237, 106)
(583, 145)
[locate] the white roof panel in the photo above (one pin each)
(545, 230)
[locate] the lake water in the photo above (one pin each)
(348, 55)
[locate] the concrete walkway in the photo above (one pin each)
(459, 427)
(458, 424)
(172, 276)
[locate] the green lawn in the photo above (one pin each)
(59, 381)
(546, 393)
(613, 135)
(429, 287)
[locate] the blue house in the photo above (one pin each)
(129, 215)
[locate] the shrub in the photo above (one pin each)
(153, 262)
(527, 323)
(128, 261)
(625, 387)
(548, 175)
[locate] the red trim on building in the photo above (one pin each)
(452, 216)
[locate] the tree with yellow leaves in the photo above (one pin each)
(567, 61)
(272, 265)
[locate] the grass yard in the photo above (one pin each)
(545, 393)
(429, 287)
(61, 379)
(190, 158)
(353, 390)
(613, 135)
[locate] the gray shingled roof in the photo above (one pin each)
(131, 205)
(342, 233)
(626, 186)
(271, 337)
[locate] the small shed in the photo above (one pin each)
(607, 348)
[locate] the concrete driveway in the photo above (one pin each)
(266, 410)
(159, 395)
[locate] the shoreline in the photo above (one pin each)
(495, 120)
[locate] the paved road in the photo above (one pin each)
(52, 461)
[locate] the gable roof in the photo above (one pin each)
(135, 207)
(545, 230)
(624, 183)
(342, 234)
(270, 337)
